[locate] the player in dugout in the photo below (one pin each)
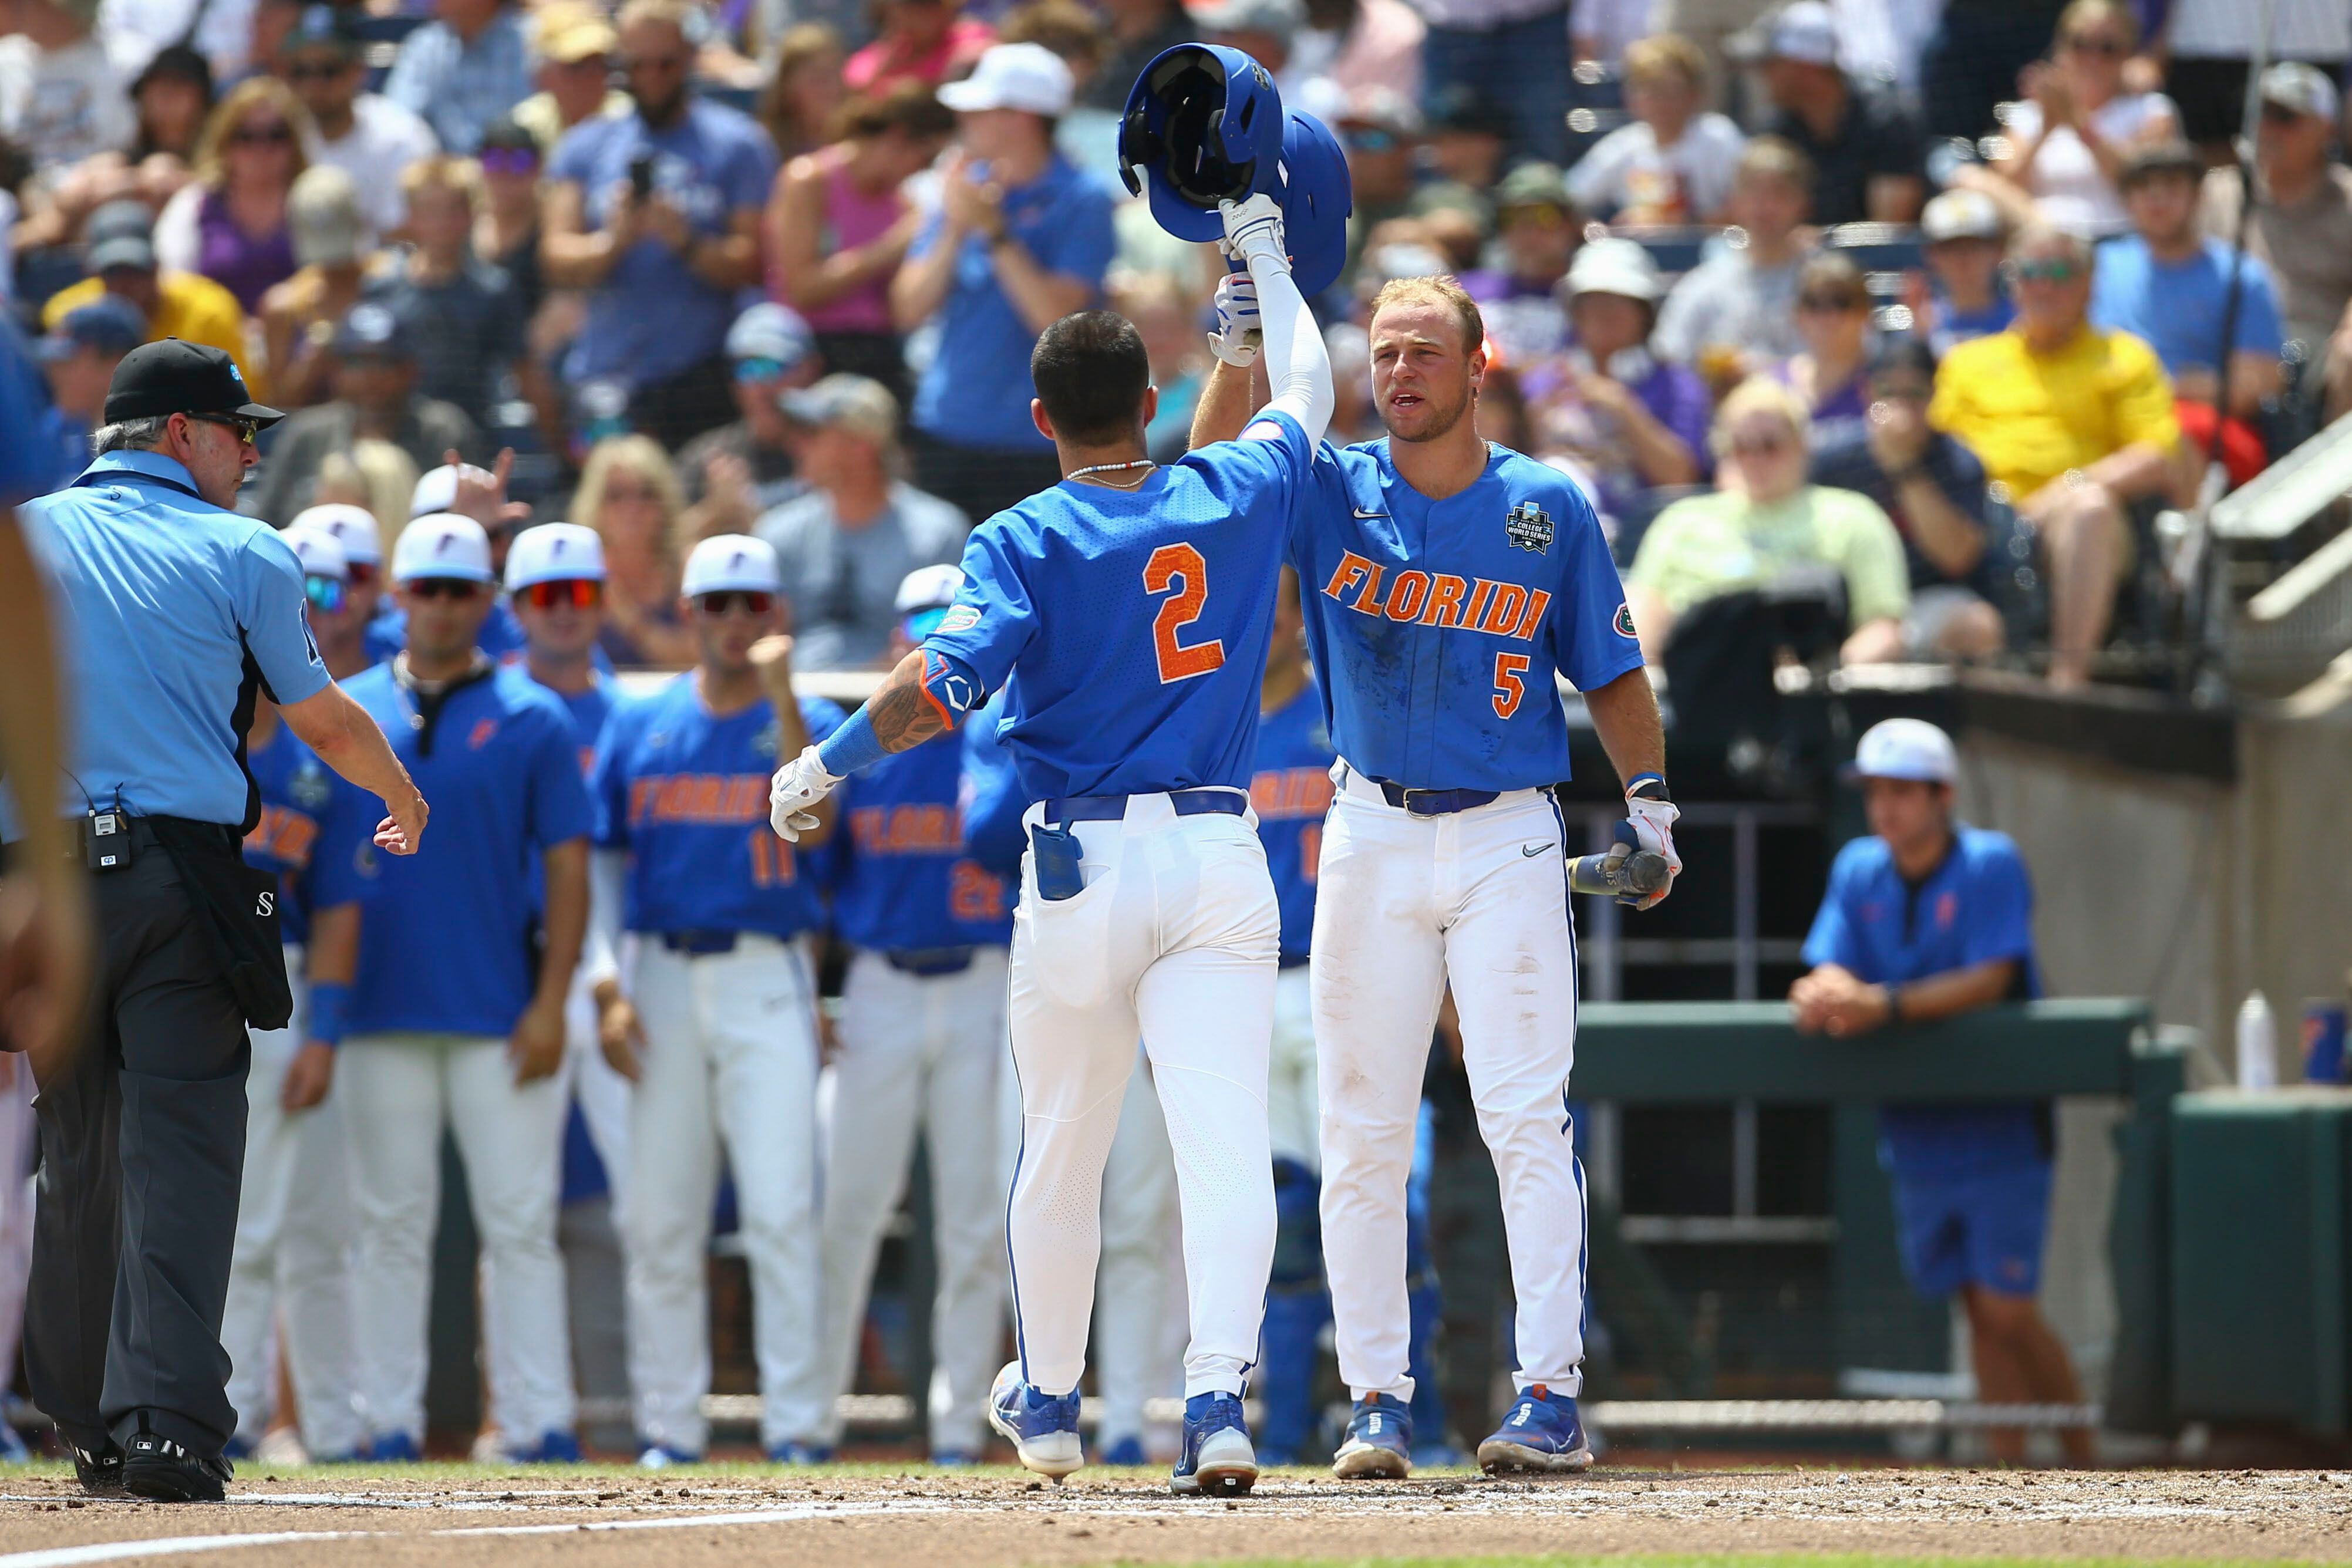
(1927, 918)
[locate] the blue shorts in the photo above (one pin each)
(1984, 1228)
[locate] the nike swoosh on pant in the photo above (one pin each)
(1530, 853)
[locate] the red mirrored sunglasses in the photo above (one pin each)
(579, 593)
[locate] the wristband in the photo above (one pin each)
(1636, 784)
(851, 747)
(330, 1004)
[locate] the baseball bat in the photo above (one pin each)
(1622, 873)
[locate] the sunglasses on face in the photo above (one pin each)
(759, 369)
(2107, 48)
(2051, 271)
(1372, 140)
(656, 63)
(245, 429)
(316, 70)
(509, 161)
(455, 589)
(719, 605)
(364, 573)
(2279, 114)
(262, 136)
(1760, 446)
(327, 594)
(579, 593)
(1829, 303)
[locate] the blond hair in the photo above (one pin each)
(446, 171)
(678, 14)
(1442, 290)
(2090, 12)
(263, 92)
(642, 457)
(1774, 158)
(1664, 55)
(375, 475)
(1760, 395)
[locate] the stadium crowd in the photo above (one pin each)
(1937, 302)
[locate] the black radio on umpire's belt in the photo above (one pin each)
(106, 838)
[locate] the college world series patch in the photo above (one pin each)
(1529, 527)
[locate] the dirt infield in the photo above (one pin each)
(996, 1515)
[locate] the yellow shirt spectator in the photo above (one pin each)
(1724, 542)
(188, 305)
(2031, 417)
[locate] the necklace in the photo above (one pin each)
(1143, 463)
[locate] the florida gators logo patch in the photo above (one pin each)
(483, 729)
(959, 618)
(1623, 621)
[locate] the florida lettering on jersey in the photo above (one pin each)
(317, 831)
(902, 879)
(1291, 792)
(685, 791)
(1437, 626)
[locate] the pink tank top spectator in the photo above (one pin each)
(923, 41)
(851, 218)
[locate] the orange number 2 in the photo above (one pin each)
(1170, 565)
(1509, 688)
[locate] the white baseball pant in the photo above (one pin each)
(1405, 904)
(293, 1250)
(730, 1056)
(1173, 935)
(17, 1141)
(602, 1094)
(1134, 1361)
(919, 1050)
(398, 1092)
(1292, 1108)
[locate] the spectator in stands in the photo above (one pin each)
(2301, 224)
(1868, 154)
(1765, 523)
(1359, 45)
(120, 251)
(629, 494)
(507, 235)
(172, 97)
(849, 541)
(1833, 318)
(460, 313)
(1467, 135)
(79, 357)
(1516, 52)
(379, 478)
(2075, 423)
(1674, 164)
(2208, 49)
(804, 93)
(922, 41)
(674, 192)
(299, 316)
(733, 474)
(574, 45)
(1022, 239)
(2167, 284)
(1966, 236)
(1536, 234)
(365, 135)
(1265, 31)
(374, 378)
(839, 227)
(61, 99)
(1167, 318)
(1632, 421)
(1736, 311)
(1140, 31)
(2065, 145)
(1933, 488)
(1380, 131)
(468, 67)
(229, 222)
(1974, 57)
(1971, 1182)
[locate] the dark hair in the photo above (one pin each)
(2145, 163)
(1903, 351)
(908, 106)
(1090, 372)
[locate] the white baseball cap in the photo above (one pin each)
(924, 596)
(443, 544)
(727, 563)
(2300, 89)
(1620, 266)
(1803, 30)
(1027, 77)
(320, 552)
(353, 528)
(1906, 748)
(554, 552)
(1962, 215)
(436, 488)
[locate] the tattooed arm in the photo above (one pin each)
(920, 698)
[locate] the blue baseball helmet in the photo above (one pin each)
(1316, 198)
(1203, 125)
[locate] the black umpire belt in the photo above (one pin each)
(928, 963)
(1111, 808)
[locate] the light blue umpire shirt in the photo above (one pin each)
(172, 612)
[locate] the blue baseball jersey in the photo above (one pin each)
(1437, 626)
(588, 711)
(685, 791)
(1291, 791)
(317, 831)
(1129, 628)
(448, 946)
(900, 876)
(1974, 908)
(992, 797)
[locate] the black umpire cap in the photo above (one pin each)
(178, 377)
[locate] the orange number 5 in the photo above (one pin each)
(1170, 565)
(1509, 688)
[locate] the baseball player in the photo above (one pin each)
(454, 1021)
(715, 1024)
(921, 1030)
(461, 489)
(1126, 612)
(293, 1222)
(555, 587)
(1446, 580)
(343, 632)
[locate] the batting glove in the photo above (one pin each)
(1236, 340)
(799, 785)
(1253, 231)
(1652, 815)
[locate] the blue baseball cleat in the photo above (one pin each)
(394, 1448)
(798, 1453)
(1380, 1441)
(555, 1446)
(1042, 1428)
(661, 1457)
(1126, 1453)
(1218, 1460)
(1542, 1433)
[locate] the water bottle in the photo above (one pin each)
(2257, 1044)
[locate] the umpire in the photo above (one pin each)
(176, 612)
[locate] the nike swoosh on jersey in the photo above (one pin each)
(1362, 513)
(1530, 851)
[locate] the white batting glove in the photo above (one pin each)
(1652, 816)
(1254, 231)
(799, 785)
(1236, 340)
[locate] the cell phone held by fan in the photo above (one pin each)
(641, 177)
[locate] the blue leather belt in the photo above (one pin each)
(700, 944)
(1111, 808)
(1293, 961)
(1436, 803)
(924, 963)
